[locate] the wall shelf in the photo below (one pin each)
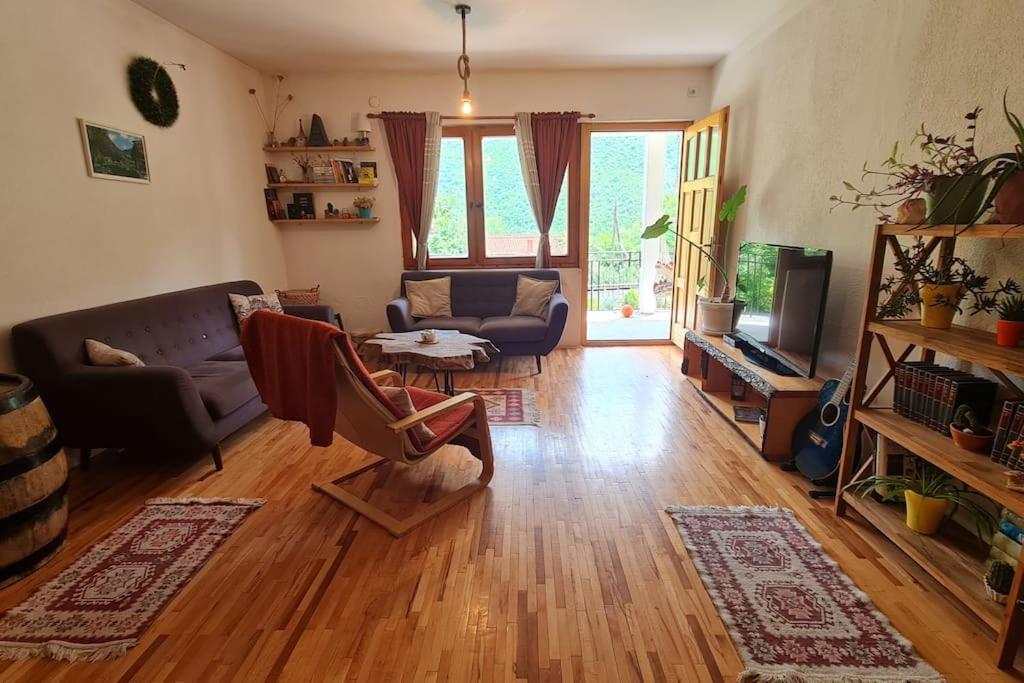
(322, 186)
(354, 149)
(351, 221)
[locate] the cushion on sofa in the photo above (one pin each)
(514, 328)
(465, 324)
(224, 386)
(533, 296)
(234, 353)
(430, 298)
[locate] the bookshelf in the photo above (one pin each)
(343, 221)
(347, 149)
(321, 186)
(955, 562)
(343, 170)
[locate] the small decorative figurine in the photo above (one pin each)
(344, 142)
(331, 212)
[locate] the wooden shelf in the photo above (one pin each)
(352, 221)
(957, 561)
(988, 230)
(330, 148)
(723, 404)
(321, 186)
(963, 342)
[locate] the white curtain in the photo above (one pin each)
(528, 162)
(431, 167)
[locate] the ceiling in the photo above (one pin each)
(321, 35)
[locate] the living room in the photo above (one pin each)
(532, 342)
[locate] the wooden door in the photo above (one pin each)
(700, 198)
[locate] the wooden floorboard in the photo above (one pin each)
(565, 569)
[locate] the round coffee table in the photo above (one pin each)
(452, 351)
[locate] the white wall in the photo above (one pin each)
(68, 241)
(836, 85)
(358, 268)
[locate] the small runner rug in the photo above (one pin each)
(510, 407)
(101, 605)
(794, 616)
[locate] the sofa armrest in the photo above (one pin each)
(400, 315)
(120, 407)
(320, 312)
(558, 312)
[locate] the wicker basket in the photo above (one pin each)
(299, 297)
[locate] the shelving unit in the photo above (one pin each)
(353, 149)
(321, 186)
(955, 562)
(350, 221)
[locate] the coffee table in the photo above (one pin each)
(452, 351)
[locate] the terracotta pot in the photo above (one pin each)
(976, 443)
(935, 314)
(950, 201)
(1009, 333)
(627, 311)
(1009, 202)
(924, 515)
(911, 212)
(715, 318)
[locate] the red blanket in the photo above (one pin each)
(292, 363)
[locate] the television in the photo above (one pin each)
(784, 289)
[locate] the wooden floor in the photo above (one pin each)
(565, 569)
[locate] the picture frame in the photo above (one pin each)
(114, 154)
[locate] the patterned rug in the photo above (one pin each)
(510, 407)
(792, 613)
(101, 605)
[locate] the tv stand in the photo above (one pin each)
(711, 365)
(759, 357)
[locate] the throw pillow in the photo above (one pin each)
(247, 305)
(400, 398)
(430, 298)
(533, 296)
(107, 356)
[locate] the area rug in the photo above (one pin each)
(101, 605)
(510, 407)
(794, 616)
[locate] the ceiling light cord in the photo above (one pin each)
(462, 65)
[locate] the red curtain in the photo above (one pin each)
(407, 136)
(554, 140)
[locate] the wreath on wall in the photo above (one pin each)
(153, 92)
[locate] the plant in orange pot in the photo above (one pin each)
(938, 288)
(1006, 173)
(1010, 326)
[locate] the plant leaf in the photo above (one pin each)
(657, 228)
(732, 205)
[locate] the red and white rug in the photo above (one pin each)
(101, 605)
(794, 616)
(510, 407)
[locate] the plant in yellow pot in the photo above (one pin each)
(938, 287)
(930, 494)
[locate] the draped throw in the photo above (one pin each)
(546, 142)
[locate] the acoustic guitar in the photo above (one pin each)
(818, 438)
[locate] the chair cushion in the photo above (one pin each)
(234, 353)
(514, 328)
(447, 423)
(465, 325)
(224, 386)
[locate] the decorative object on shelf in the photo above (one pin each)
(305, 164)
(362, 125)
(998, 580)
(114, 154)
(719, 314)
(365, 206)
(153, 92)
(1006, 171)
(300, 139)
(317, 133)
(937, 288)
(968, 432)
(305, 202)
(463, 64)
(275, 211)
(279, 106)
(946, 178)
(294, 212)
(331, 212)
(299, 297)
(929, 394)
(1014, 480)
(346, 213)
(912, 212)
(1010, 326)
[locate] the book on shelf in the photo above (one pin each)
(304, 200)
(349, 172)
(273, 174)
(366, 176)
(929, 394)
(371, 168)
(323, 172)
(1000, 450)
(275, 210)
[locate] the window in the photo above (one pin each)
(482, 216)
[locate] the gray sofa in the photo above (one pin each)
(194, 390)
(482, 306)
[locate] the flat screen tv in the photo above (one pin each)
(785, 289)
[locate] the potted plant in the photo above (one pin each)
(1006, 172)
(947, 178)
(968, 433)
(365, 206)
(1010, 326)
(998, 581)
(929, 495)
(938, 289)
(630, 301)
(718, 314)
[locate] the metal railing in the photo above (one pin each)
(613, 273)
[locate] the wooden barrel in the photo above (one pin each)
(33, 481)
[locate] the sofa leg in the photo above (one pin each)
(539, 368)
(85, 458)
(215, 454)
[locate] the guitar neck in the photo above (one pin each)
(844, 385)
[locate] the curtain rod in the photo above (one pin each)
(480, 118)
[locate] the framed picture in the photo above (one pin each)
(114, 154)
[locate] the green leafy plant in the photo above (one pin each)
(710, 251)
(1011, 308)
(999, 168)
(915, 268)
(631, 298)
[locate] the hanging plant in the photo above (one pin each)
(153, 92)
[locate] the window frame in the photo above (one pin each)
(472, 136)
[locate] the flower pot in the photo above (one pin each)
(627, 311)
(924, 515)
(365, 212)
(911, 212)
(1009, 333)
(715, 318)
(976, 443)
(954, 199)
(1009, 201)
(939, 304)
(737, 311)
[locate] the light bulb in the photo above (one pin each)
(467, 104)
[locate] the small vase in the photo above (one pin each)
(955, 199)
(1009, 201)
(271, 140)
(365, 211)
(935, 314)
(1009, 333)
(924, 515)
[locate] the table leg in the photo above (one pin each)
(449, 383)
